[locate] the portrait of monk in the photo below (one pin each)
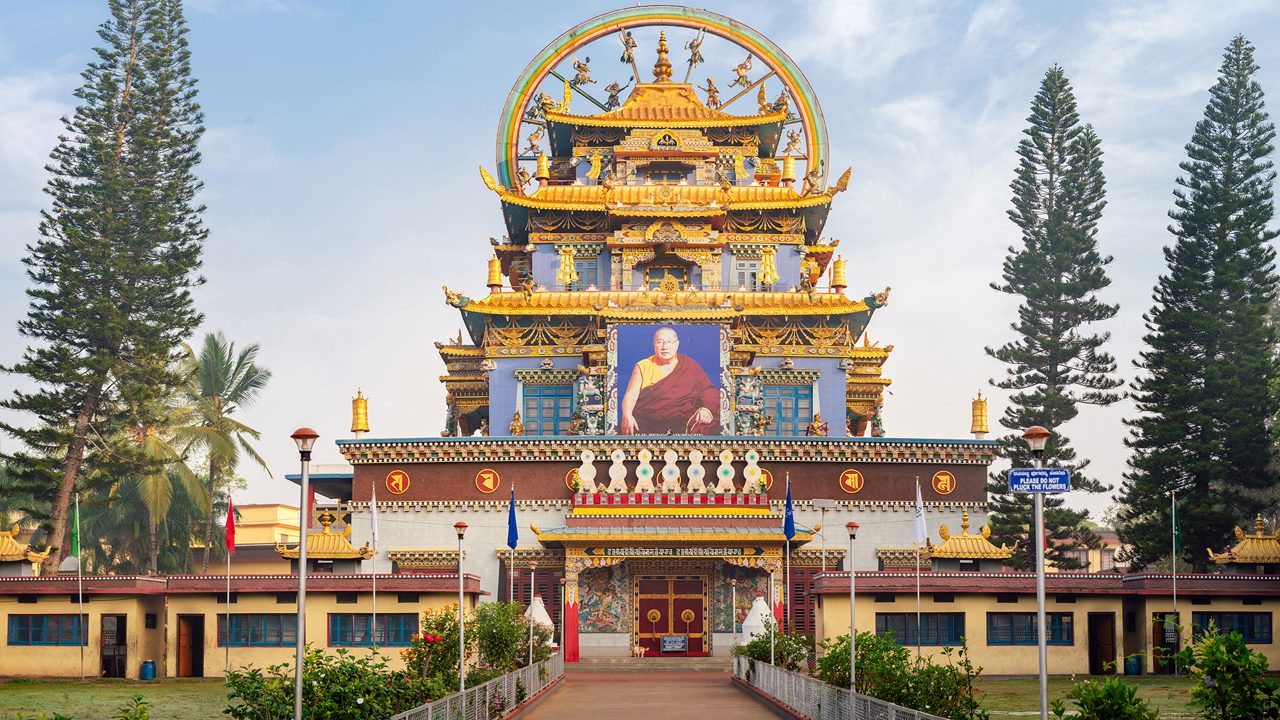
(670, 393)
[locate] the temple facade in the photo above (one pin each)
(664, 343)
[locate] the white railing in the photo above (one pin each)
(492, 700)
(811, 698)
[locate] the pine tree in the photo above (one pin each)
(112, 269)
(1204, 395)
(1054, 365)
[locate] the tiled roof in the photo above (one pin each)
(1257, 548)
(595, 303)
(143, 585)
(327, 545)
(12, 551)
(1023, 583)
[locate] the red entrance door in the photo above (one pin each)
(670, 615)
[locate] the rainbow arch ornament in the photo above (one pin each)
(563, 47)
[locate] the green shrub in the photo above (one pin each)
(788, 651)
(1109, 699)
(338, 686)
(889, 671)
(135, 709)
(1231, 678)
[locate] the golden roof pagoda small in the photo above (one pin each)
(326, 544)
(11, 551)
(970, 547)
(1257, 548)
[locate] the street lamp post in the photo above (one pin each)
(533, 574)
(461, 529)
(1036, 437)
(853, 627)
(305, 439)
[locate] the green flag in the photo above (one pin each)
(1177, 529)
(75, 529)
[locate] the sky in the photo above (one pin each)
(343, 140)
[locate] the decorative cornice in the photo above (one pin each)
(569, 448)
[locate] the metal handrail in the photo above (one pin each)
(478, 703)
(811, 698)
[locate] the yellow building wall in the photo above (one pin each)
(64, 660)
(833, 620)
(319, 606)
(1146, 606)
(266, 523)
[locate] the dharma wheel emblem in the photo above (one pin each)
(766, 478)
(397, 482)
(851, 481)
(571, 479)
(944, 483)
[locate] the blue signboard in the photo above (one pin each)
(675, 643)
(1041, 480)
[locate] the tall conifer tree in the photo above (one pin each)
(1055, 364)
(112, 268)
(1204, 397)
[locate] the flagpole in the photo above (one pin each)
(80, 619)
(1173, 506)
(373, 562)
(920, 530)
(230, 548)
(786, 572)
(511, 555)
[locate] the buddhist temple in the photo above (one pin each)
(665, 339)
(1257, 552)
(17, 558)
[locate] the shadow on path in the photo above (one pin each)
(646, 696)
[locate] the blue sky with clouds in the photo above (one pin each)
(343, 140)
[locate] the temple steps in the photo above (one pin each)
(652, 664)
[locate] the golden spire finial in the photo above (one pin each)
(662, 68)
(1258, 527)
(979, 425)
(543, 173)
(964, 522)
(359, 413)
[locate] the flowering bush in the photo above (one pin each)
(1232, 682)
(339, 686)
(1109, 699)
(788, 651)
(434, 653)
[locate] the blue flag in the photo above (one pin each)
(789, 521)
(513, 536)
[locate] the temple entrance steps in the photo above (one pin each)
(652, 664)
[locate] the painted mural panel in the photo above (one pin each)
(604, 604)
(751, 582)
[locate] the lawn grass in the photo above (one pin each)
(186, 699)
(1020, 697)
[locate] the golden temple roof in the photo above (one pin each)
(966, 546)
(665, 105)
(327, 545)
(628, 303)
(11, 551)
(1257, 548)
(672, 200)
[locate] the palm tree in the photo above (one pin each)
(223, 382)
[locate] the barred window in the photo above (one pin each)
(1020, 628)
(48, 629)
(938, 628)
(355, 630)
(1254, 627)
(547, 409)
(257, 630)
(791, 407)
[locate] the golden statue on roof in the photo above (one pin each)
(740, 73)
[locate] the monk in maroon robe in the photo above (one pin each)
(669, 393)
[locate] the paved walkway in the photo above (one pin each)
(647, 696)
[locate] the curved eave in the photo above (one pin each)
(628, 303)
(624, 122)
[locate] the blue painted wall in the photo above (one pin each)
(502, 387)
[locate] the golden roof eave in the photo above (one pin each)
(674, 124)
(968, 547)
(1256, 548)
(665, 105)
(710, 303)
(12, 551)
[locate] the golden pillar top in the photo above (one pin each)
(359, 413)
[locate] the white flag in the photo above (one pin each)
(373, 517)
(922, 533)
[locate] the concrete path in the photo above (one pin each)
(648, 696)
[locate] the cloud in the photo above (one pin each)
(864, 38)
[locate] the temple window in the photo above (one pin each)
(938, 628)
(667, 173)
(656, 274)
(1020, 628)
(1254, 627)
(588, 274)
(548, 409)
(791, 407)
(746, 275)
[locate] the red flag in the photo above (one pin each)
(231, 528)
